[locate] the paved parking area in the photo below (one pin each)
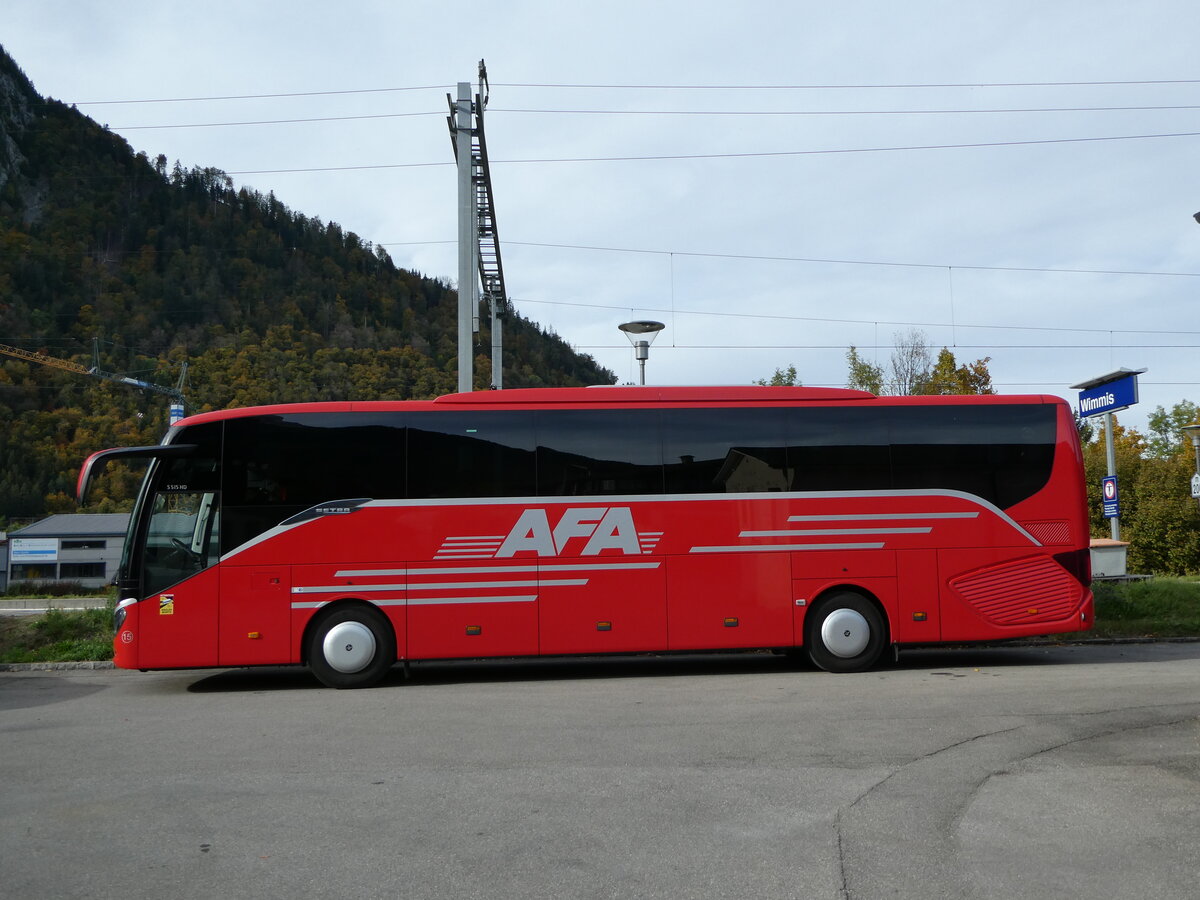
(1014, 772)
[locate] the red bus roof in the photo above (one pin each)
(620, 396)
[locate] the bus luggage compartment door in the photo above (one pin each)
(729, 600)
(255, 616)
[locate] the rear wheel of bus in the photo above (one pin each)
(352, 646)
(845, 632)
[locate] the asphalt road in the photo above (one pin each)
(1017, 772)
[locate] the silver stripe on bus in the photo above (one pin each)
(438, 601)
(464, 570)
(761, 548)
(612, 499)
(428, 601)
(433, 586)
(883, 517)
(342, 588)
(797, 532)
(771, 496)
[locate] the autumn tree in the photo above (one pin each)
(1166, 427)
(781, 378)
(911, 370)
(864, 375)
(947, 377)
(1159, 518)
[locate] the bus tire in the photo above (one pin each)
(844, 632)
(352, 646)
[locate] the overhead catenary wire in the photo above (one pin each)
(670, 112)
(833, 321)
(745, 155)
(656, 87)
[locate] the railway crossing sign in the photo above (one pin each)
(1108, 494)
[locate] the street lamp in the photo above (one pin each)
(642, 334)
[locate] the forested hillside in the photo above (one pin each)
(164, 264)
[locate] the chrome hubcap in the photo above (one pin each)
(349, 647)
(845, 633)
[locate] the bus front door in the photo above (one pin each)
(177, 622)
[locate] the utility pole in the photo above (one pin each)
(478, 236)
(467, 303)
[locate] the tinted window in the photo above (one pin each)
(475, 454)
(587, 452)
(276, 466)
(198, 471)
(305, 459)
(81, 570)
(838, 449)
(1001, 453)
(724, 450)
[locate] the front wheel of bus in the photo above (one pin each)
(351, 647)
(845, 633)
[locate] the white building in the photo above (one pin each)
(78, 547)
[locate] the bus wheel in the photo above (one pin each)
(351, 647)
(844, 632)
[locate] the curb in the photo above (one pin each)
(55, 666)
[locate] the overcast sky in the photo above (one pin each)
(774, 181)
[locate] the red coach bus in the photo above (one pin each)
(348, 536)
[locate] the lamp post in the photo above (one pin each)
(642, 334)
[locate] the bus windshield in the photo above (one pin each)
(182, 537)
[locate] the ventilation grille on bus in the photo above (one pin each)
(1049, 532)
(1023, 592)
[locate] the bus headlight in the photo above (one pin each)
(121, 612)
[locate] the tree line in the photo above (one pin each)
(163, 264)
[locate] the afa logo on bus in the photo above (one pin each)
(599, 528)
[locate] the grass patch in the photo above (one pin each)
(57, 636)
(45, 590)
(1158, 607)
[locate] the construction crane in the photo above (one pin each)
(175, 393)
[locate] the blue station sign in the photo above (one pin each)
(1109, 396)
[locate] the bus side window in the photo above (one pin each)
(277, 466)
(1003, 454)
(452, 454)
(838, 449)
(724, 451)
(588, 452)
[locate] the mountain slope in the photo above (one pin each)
(153, 265)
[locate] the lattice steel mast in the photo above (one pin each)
(478, 236)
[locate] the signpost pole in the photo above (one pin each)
(1110, 454)
(1104, 396)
